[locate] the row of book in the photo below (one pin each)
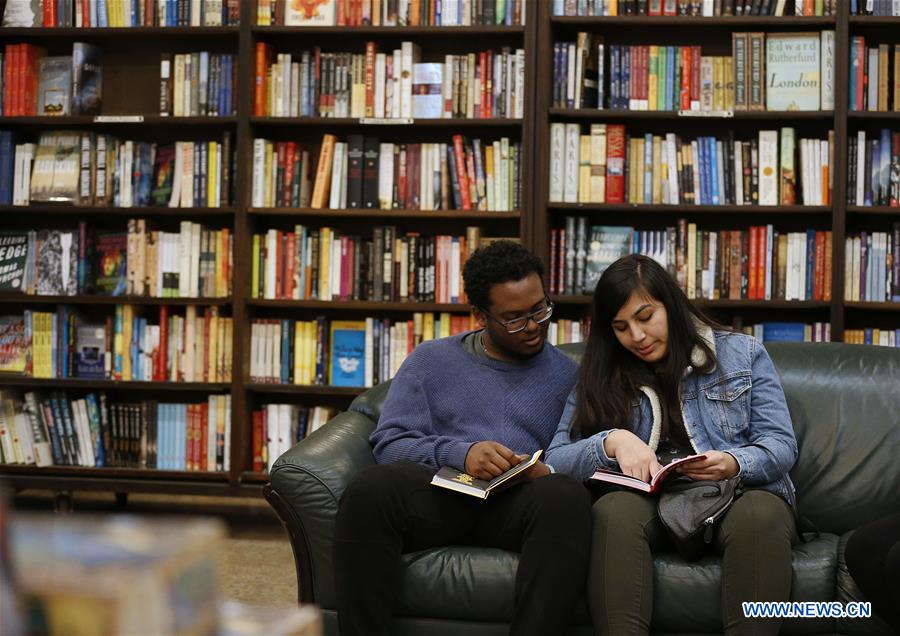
(277, 427)
(872, 266)
(873, 168)
(391, 13)
(327, 264)
(610, 166)
(348, 353)
(85, 168)
(94, 431)
(365, 172)
(33, 84)
(191, 347)
(881, 8)
(774, 71)
(199, 84)
(873, 335)
(194, 262)
(873, 85)
(758, 263)
(389, 85)
(698, 8)
(121, 13)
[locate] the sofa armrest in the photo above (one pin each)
(306, 487)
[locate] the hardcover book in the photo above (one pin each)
(87, 79)
(656, 481)
(348, 352)
(57, 263)
(607, 245)
(55, 88)
(453, 479)
(309, 12)
(90, 349)
(111, 266)
(14, 344)
(793, 73)
(13, 260)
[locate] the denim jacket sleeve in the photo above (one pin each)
(772, 447)
(579, 458)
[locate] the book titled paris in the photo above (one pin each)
(348, 353)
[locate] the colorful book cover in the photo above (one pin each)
(13, 260)
(111, 268)
(310, 12)
(90, 349)
(793, 71)
(608, 244)
(14, 344)
(348, 351)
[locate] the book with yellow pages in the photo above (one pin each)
(460, 481)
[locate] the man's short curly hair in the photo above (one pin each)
(499, 262)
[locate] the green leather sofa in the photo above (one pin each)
(845, 405)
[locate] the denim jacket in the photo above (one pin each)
(739, 407)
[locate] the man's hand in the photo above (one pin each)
(715, 467)
(486, 460)
(539, 469)
(634, 456)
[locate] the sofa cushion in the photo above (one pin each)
(476, 583)
(847, 591)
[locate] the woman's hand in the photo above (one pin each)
(715, 467)
(634, 456)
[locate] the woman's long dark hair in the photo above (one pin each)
(610, 375)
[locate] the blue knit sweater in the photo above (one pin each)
(443, 399)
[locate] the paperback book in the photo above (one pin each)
(656, 481)
(453, 479)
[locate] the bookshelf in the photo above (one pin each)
(131, 56)
(131, 111)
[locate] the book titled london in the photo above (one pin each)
(460, 481)
(655, 483)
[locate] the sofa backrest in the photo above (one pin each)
(845, 406)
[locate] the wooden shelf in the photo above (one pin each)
(10, 380)
(255, 478)
(364, 305)
(352, 32)
(304, 389)
(873, 114)
(873, 306)
(693, 22)
(120, 32)
(85, 299)
(326, 122)
(873, 209)
(96, 210)
(874, 20)
(115, 472)
(90, 121)
(598, 114)
(686, 209)
(375, 213)
(718, 304)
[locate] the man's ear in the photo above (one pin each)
(480, 318)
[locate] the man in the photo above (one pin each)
(481, 402)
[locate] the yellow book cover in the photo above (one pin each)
(200, 348)
(428, 326)
(598, 163)
(310, 347)
(633, 170)
(325, 235)
(728, 72)
(254, 268)
(127, 320)
(692, 260)
(446, 319)
(322, 184)
(657, 169)
(212, 180)
(212, 343)
(297, 372)
(489, 176)
(584, 169)
(639, 168)
(653, 79)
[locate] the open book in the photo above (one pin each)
(615, 477)
(459, 481)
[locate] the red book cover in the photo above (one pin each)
(258, 465)
(291, 265)
(554, 236)
(459, 157)
(489, 85)
(401, 180)
(263, 52)
(50, 14)
(9, 79)
(31, 73)
(482, 83)
(290, 159)
(826, 267)
(161, 374)
(438, 269)
(370, 79)
(761, 269)
(752, 291)
(695, 73)
(819, 273)
(615, 165)
(860, 74)
(203, 435)
(644, 72)
(686, 77)
(206, 317)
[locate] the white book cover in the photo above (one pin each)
(848, 269)
(337, 266)
(872, 93)
(337, 164)
(857, 265)
(310, 13)
(380, 75)
(570, 158)
(770, 268)
(519, 91)
(454, 272)
(768, 167)
(672, 194)
(571, 55)
(505, 166)
(557, 161)
(270, 264)
(695, 153)
(385, 175)
(409, 57)
(194, 273)
(396, 89)
(827, 70)
(184, 259)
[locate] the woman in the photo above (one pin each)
(660, 381)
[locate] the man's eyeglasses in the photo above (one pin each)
(516, 325)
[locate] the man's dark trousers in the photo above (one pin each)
(391, 509)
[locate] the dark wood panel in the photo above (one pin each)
(387, 214)
(29, 299)
(359, 305)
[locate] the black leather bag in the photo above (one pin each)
(691, 510)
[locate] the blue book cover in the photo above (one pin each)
(670, 78)
(93, 411)
(625, 86)
(285, 350)
(783, 331)
(90, 351)
(810, 263)
(714, 170)
(348, 353)
(7, 166)
(701, 165)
